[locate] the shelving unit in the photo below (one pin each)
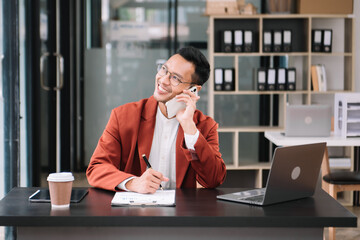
(239, 136)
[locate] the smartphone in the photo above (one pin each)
(173, 106)
(43, 195)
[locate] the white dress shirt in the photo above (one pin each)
(163, 151)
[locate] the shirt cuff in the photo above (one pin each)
(123, 183)
(190, 140)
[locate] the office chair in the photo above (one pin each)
(336, 182)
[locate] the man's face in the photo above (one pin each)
(182, 69)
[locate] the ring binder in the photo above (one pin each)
(287, 41)
(271, 79)
(261, 79)
(281, 79)
(238, 41)
(327, 40)
(316, 40)
(227, 41)
(267, 42)
(219, 79)
(277, 41)
(248, 41)
(291, 79)
(229, 80)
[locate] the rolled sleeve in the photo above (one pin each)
(123, 183)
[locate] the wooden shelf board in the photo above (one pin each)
(332, 92)
(253, 92)
(279, 16)
(249, 129)
(250, 166)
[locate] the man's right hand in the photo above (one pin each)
(148, 182)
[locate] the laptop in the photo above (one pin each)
(293, 175)
(308, 121)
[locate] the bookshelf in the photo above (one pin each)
(241, 135)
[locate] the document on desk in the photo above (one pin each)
(161, 198)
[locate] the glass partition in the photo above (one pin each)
(2, 174)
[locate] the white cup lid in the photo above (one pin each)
(60, 177)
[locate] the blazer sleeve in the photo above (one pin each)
(103, 170)
(206, 160)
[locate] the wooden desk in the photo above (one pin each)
(197, 215)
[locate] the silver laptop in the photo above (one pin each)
(308, 121)
(293, 175)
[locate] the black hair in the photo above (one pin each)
(202, 66)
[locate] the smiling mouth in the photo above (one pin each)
(162, 89)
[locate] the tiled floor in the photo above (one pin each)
(348, 233)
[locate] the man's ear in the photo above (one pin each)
(198, 88)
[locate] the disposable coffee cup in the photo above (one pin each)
(60, 186)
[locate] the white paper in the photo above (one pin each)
(159, 198)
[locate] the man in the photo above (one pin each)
(182, 150)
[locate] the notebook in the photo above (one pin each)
(293, 175)
(308, 121)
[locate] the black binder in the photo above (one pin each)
(327, 40)
(238, 41)
(267, 41)
(229, 79)
(227, 41)
(281, 79)
(287, 40)
(291, 79)
(316, 45)
(218, 79)
(248, 41)
(271, 79)
(261, 79)
(277, 41)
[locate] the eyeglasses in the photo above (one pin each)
(174, 79)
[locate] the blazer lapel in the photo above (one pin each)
(146, 130)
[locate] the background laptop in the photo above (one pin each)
(308, 121)
(294, 174)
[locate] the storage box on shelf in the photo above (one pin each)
(245, 113)
(347, 114)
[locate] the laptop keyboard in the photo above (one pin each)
(255, 199)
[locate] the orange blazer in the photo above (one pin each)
(129, 134)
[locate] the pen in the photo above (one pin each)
(149, 166)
